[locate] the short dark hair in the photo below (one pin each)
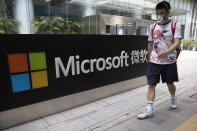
(163, 5)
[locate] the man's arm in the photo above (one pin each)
(176, 44)
(150, 48)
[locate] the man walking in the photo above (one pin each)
(164, 39)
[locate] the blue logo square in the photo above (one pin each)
(20, 82)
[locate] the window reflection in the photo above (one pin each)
(90, 16)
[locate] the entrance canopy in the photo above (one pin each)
(133, 7)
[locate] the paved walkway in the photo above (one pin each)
(118, 113)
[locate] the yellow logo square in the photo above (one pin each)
(39, 79)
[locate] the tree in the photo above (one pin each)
(55, 25)
(8, 26)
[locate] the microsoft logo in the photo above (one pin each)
(27, 71)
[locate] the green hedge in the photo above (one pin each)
(189, 43)
(8, 26)
(55, 25)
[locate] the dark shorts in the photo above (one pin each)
(167, 72)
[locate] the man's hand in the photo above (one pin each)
(172, 48)
(163, 54)
(150, 48)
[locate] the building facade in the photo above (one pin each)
(110, 17)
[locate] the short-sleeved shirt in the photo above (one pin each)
(162, 40)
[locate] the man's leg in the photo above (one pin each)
(153, 77)
(170, 75)
(172, 90)
(149, 107)
(150, 98)
(151, 93)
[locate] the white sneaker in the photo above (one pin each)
(173, 103)
(145, 115)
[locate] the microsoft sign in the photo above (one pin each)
(44, 67)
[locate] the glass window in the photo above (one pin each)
(71, 16)
(142, 31)
(8, 25)
(84, 16)
(56, 17)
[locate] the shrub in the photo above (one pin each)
(189, 43)
(55, 25)
(8, 26)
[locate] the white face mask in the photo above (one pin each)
(160, 20)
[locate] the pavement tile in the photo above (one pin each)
(31, 126)
(63, 116)
(44, 129)
(50, 120)
(89, 120)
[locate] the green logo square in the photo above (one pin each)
(37, 61)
